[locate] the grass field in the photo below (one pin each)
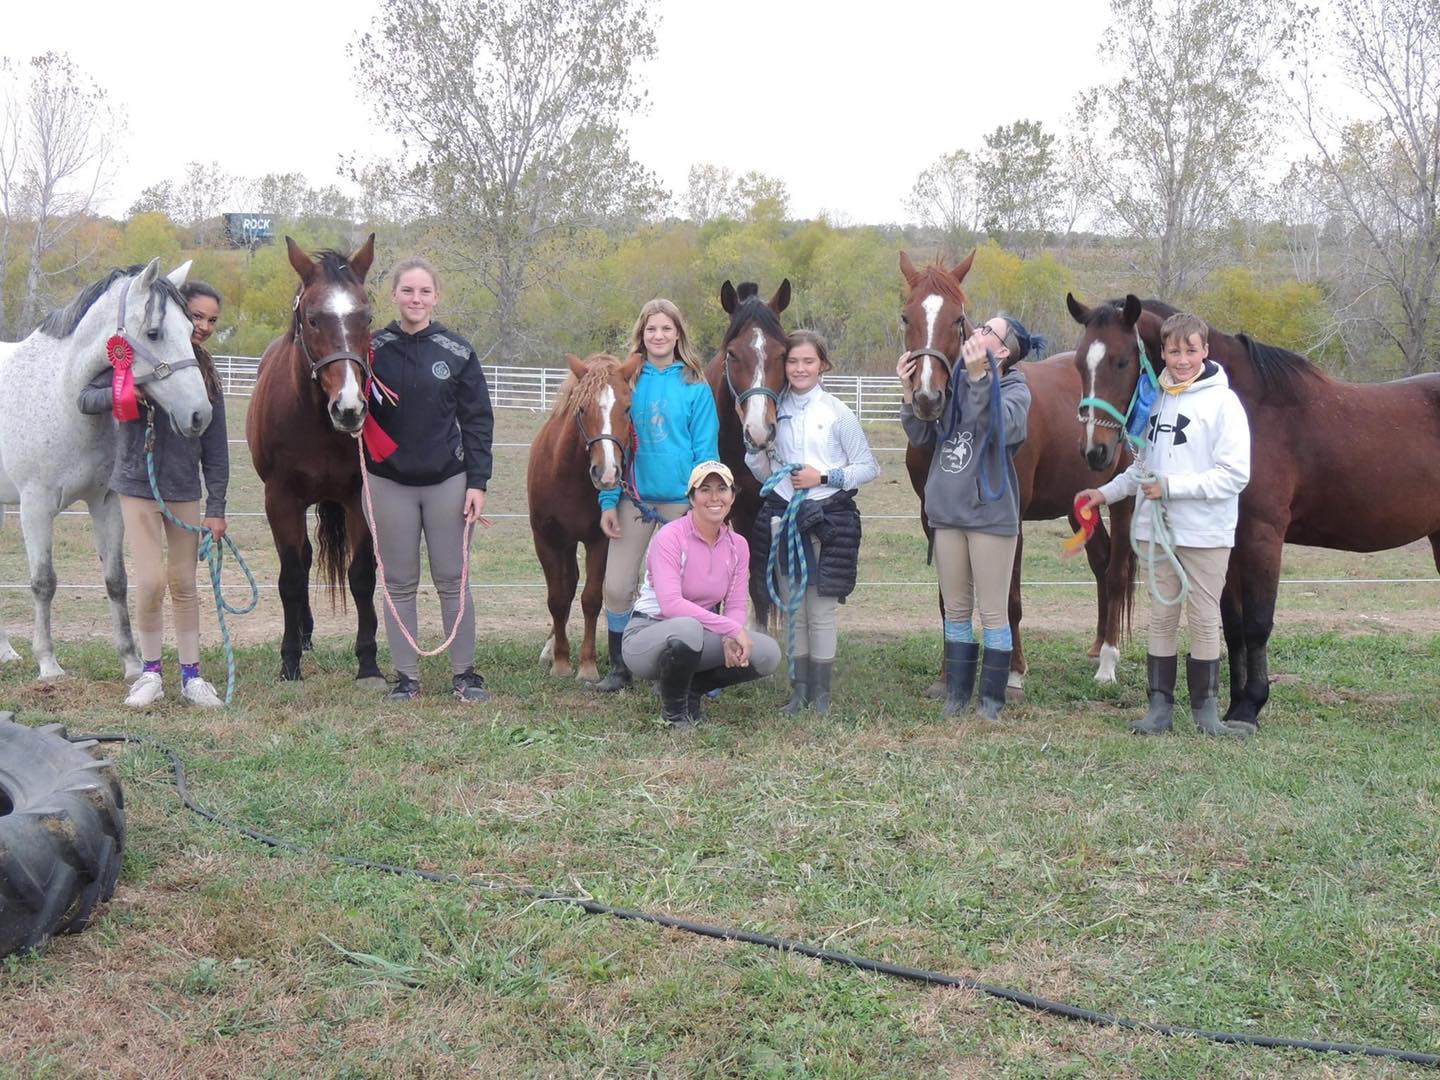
(1286, 886)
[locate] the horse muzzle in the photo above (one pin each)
(928, 405)
(1099, 456)
(347, 419)
(193, 426)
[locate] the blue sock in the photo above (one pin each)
(188, 672)
(617, 621)
(155, 666)
(959, 631)
(1000, 640)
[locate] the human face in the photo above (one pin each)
(992, 335)
(416, 295)
(660, 335)
(204, 314)
(710, 502)
(1185, 359)
(802, 367)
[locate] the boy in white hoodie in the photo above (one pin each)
(1196, 461)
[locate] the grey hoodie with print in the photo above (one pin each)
(952, 488)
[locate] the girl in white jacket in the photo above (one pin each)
(1197, 460)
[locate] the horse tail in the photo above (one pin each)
(332, 548)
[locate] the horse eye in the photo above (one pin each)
(1121, 364)
(904, 321)
(153, 335)
(311, 320)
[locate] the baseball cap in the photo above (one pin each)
(709, 468)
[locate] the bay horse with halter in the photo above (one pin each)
(582, 448)
(1333, 464)
(51, 454)
(308, 407)
(936, 324)
(746, 377)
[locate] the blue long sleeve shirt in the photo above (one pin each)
(676, 428)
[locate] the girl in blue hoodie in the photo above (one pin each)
(672, 415)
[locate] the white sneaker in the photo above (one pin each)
(199, 692)
(146, 690)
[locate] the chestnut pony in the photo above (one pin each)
(1332, 464)
(746, 378)
(309, 405)
(936, 324)
(583, 447)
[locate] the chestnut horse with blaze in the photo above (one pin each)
(1333, 464)
(583, 447)
(936, 324)
(308, 408)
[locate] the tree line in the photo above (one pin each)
(518, 182)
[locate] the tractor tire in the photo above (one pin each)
(62, 834)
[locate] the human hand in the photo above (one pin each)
(737, 649)
(805, 478)
(1092, 497)
(610, 524)
(1155, 489)
(905, 371)
(474, 505)
(216, 525)
(977, 359)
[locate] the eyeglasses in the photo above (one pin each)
(986, 328)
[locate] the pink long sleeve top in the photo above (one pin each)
(686, 576)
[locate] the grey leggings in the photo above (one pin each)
(645, 640)
(816, 634)
(626, 558)
(1205, 567)
(402, 514)
(975, 571)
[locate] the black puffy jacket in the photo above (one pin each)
(835, 522)
(442, 422)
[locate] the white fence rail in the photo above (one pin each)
(872, 397)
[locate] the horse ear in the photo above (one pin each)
(180, 273)
(907, 268)
(963, 266)
(148, 275)
(631, 367)
(727, 297)
(1078, 311)
(362, 258)
(576, 365)
(300, 259)
(781, 300)
(1132, 310)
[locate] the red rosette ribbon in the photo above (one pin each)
(1089, 517)
(123, 403)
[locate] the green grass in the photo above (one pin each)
(1286, 885)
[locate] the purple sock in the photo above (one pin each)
(154, 665)
(188, 672)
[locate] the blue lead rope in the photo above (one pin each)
(213, 553)
(798, 575)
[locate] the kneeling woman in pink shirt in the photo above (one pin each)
(687, 631)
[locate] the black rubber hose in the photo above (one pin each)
(800, 948)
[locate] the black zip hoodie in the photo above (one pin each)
(443, 422)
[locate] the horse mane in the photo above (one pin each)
(574, 392)
(937, 278)
(751, 308)
(61, 322)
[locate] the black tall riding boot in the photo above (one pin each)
(1204, 679)
(961, 660)
(1160, 678)
(677, 671)
(994, 677)
(717, 678)
(799, 688)
(820, 672)
(619, 677)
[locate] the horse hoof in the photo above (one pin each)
(1109, 657)
(561, 670)
(287, 675)
(371, 682)
(589, 674)
(936, 690)
(8, 654)
(51, 671)
(1015, 688)
(307, 644)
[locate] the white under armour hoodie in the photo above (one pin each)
(1200, 445)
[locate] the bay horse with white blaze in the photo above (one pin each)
(52, 454)
(746, 377)
(582, 448)
(1333, 464)
(936, 324)
(308, 408)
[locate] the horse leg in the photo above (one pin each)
(109, 528)
(590, 602)
(37, 520)
(1263, 548)
(287, 524)
(8, 655)
(307, 617)
(1097, 554)
(1015, 683)
(1232, 621)
(361, 577)
(1117, 584)
(562, 574)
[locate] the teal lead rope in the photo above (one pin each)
(790, 538)
(212, 553)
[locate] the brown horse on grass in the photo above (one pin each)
(582, 448)
(309, 405)
(936, 324)
(746, 377)
(1332, 464)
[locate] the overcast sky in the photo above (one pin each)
(846, 102)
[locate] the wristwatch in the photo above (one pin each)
(824, 479)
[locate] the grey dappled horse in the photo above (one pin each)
(52, 455)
